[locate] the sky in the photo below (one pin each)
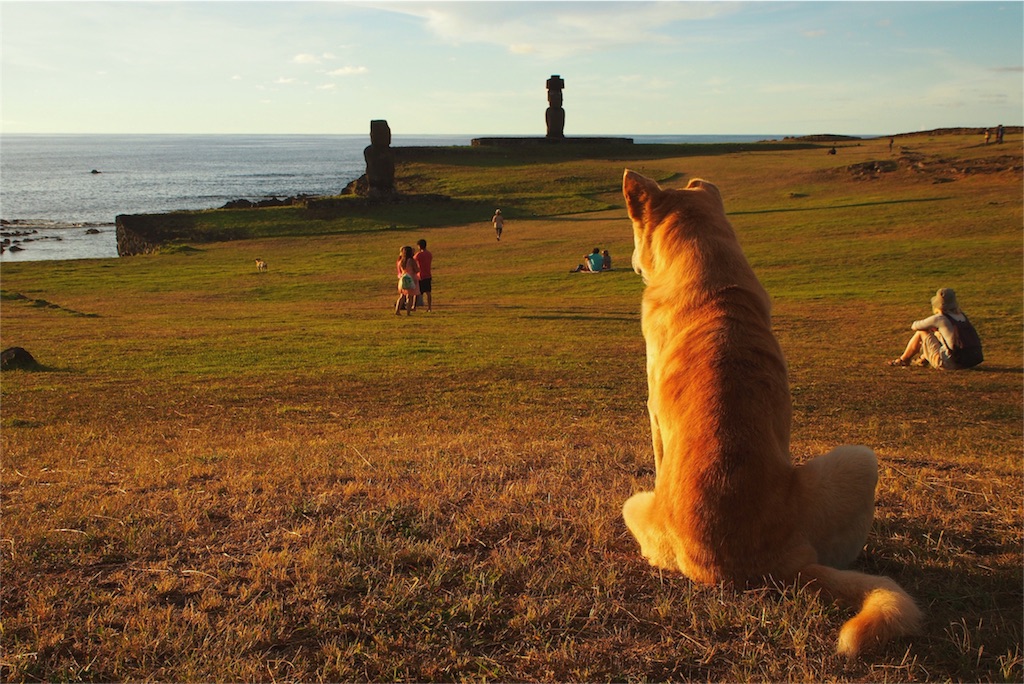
(479, 67)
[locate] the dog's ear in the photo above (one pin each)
(638, 192)
(710, 188)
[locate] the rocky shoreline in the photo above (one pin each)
(15, 234)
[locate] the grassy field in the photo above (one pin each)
(237, 476)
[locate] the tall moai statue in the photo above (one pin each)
(380, 160)
(555, 115)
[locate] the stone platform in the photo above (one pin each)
(524, 141)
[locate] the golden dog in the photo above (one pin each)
(728, 504)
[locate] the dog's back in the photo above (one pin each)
(718, 389)
(727, 502)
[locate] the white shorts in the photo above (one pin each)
(935, 352)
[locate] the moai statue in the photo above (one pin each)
(380, 160)
(555, 115)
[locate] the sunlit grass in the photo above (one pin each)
(230, 475)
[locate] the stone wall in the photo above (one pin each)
(524, 141)
(145, 233)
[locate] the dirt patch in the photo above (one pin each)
(943, 169)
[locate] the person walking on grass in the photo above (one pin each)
(408, 286)
(945, 340)
(424, 259)
(499, 223)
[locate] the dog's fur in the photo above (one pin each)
(261, 265)
(728, 504)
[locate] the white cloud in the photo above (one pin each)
(348, 71)
(556, 29)
(309, 58)
(327, 86)
(786, 88)
(283, 80)
(817, 33)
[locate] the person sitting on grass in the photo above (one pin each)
(607, 265)
(592, 263)
(945, 340)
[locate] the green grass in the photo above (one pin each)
(232, 475)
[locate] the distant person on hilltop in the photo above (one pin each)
(607, 265)
(424, 259)
(499, 223)
(945, 340)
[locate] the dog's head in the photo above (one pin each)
(663, 220)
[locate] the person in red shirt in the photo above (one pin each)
(424, 258)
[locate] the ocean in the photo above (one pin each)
(59, 194)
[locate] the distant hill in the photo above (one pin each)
(969, 130)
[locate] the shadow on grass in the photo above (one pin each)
(36, 368)
(581, 218)
(42, 304)
(577, 316)
(1017, 370)
(967, 582)
(516, 155)
(856, 205)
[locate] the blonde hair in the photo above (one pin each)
(945, 301)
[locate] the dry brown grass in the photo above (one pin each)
(226, 475)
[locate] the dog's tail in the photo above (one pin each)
(886, 610)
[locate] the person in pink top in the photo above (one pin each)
(424, 259)
(408, 288)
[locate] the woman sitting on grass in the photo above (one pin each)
(945, 340)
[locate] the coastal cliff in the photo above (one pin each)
(145, 233)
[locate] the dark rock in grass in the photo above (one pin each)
(871, 169)
(239, 204)
(293, 201)
(17, 358)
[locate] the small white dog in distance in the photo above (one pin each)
(261, 265)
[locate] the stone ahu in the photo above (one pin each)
(554, 117)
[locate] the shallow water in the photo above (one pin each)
(44, 242)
